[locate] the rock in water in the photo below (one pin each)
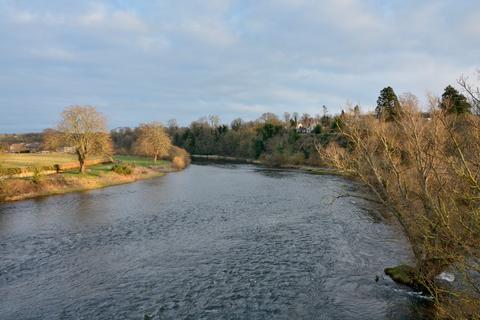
(446, 276)
(406, 275)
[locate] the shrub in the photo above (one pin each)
(178, 162)
(10, 171)
(297, 158)
(36, 175)
(179, 157)
(122, 169)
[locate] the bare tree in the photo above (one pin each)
(286, 117)
(172, 124)
(325, 111)
(214, 121)
(427, 173)
(84, 129)
(472, 92)
(153, 140)
(268, 117)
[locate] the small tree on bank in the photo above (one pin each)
(84, 129)
(153, 140)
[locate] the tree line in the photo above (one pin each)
(270, 138)
(290, 139)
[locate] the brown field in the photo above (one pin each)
(22, 160)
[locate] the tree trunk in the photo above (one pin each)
(81, 161)
(155, 158)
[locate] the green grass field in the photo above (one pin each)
(141, 161)
(20, 160)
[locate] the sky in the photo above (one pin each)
(154, 60)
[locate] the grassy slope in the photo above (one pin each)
(19, 160)
(97, 176)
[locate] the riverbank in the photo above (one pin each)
(99, 176)
(311, 169)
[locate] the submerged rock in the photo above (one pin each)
(403, 274)
(406, 275)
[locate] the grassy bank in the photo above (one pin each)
(134, 168)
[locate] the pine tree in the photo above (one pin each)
(454, 102)
(388, 106)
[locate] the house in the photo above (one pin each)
(22, 147)
(18, 148)
(304, 129)
(33, 146)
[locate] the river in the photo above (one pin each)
(211, 242)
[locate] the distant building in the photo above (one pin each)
(304, 129)
(67, 150)
(33, 147)
(18, 148)
(22, 147)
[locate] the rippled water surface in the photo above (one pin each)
(211, 242)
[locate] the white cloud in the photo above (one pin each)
(249, 108)
(100, 16)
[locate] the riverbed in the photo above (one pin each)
(211, 242)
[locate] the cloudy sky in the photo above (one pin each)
(144, 60)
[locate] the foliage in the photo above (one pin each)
(123, 169)
(268, 138)
(180, 157)
(388, 106)
(124, 139)
(20, 137)
(36, 175)
(179, 162)
(454, 102)
(153, 140)
(84, 129)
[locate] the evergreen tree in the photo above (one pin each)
(388, 106)
(454, 102)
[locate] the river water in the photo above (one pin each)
(210, 242)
